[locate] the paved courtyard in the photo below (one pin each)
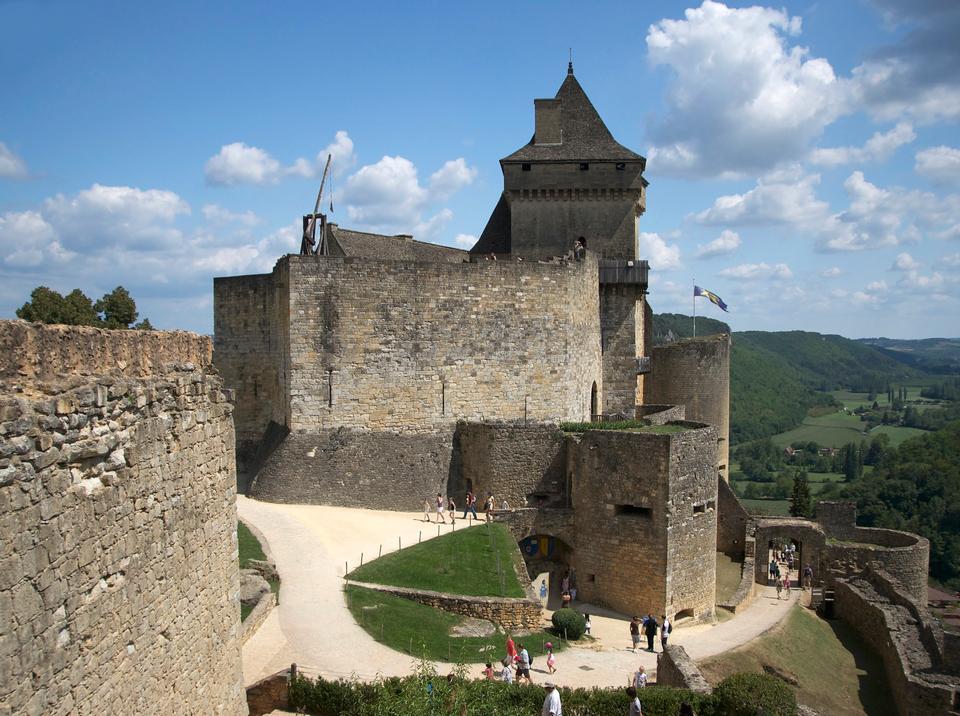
(313, 545)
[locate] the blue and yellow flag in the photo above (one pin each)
(714, 298)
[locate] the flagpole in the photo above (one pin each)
(694, 307)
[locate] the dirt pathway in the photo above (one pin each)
(313, 628)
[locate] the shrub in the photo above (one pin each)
(569, 623)
(753, 694)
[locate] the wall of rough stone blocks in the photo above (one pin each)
(675, 668)
(695, 373)
(118, 566)
(621, 338)
(905, 556)
(402, 346)
(732, 521)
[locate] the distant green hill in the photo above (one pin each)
(935, 355)
(775, 378)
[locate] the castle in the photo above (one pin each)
(387, 370)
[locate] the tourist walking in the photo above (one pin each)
(635, 709)
(639, 678)
(426, 510)
(488, 672)
(506, 674)
(440, 517)
(488, 507)
(779, 588)
(786, 584)
(471, 505)
(551, 659)
(807, 577)
(665, 628)
(523, 665)
(551, 703)
(650, 629)
(543, 592)
(635, 631)
(587, 624)
(452, 507)
(511, 649)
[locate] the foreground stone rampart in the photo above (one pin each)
(118, 565)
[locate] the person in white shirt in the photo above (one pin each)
(507, 673)
(640, 678)
(551, 703)
(635, 708)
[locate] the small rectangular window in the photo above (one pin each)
(591, 578)
(632, 511)
(621, 166)
(584, 166)
(525, 167)
(697, 509)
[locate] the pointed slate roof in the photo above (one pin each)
(585, 137)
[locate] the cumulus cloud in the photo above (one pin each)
(905, 262)
(876, 149)
(27, 239)
(220, 215)
(465, 241)
(661, 255)
(757, 271)
(939, 164)
(726, 243)
(743, 98)
(342, 159)
(239, 163)
(388, 197)
(783, 197)
(11, 166)
(831, 272)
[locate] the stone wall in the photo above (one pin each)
(732, 521)
(695, 373)
(118, 567)
(356, 468)
(269, 694)
(511, 614)
(621, 341)
(522, 464)
(675, 668)
(259, 614)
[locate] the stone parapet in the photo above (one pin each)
(256, 618)
(676, 668)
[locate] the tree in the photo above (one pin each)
(800, 500)
(144, 325)
(79, 310)
(118, 308)
(45, 306)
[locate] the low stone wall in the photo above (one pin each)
(37, 352)
(675, 668)
(509, 613)
(660, 414)
(258, 616)
(355, 468)
(905, 556)
(269, 694)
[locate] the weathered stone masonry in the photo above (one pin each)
(118, 571)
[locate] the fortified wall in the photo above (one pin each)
(118, 572)
(653, 490)
(384, 357)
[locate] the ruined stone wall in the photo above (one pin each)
(732, 521)
(691, 559)
(675, 668)
(358, 468)
(695, 373)
(118, 564)
(249, 349)
(402, 346)
(621, 340)
(903, 555)
(522, 464)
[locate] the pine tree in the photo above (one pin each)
(800, 500)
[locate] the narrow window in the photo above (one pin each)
(698, 509)
(632, 511)
(621, 166)
(329, 387)
(591, 578)
(584, 166)
(443, 398)
(525, 167)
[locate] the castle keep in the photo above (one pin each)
(386, 370)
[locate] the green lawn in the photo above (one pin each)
(897, 433)
(424, 632)
(837, 673)
(833, 430)
(728, 577)
(249, 548)
(766, 507)
(462, 562)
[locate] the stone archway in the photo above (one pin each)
(547, 554)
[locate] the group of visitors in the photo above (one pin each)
(648, 626)
(441, 505)
(782, 562)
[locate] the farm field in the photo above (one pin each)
(767, 507)
(839, 429)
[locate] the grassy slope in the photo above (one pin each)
(728, 577)
(423, 631)
(837, 673)
(249, 548)
(463, 562)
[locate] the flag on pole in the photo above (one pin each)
(711, 296)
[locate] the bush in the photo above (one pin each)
(754, 694)
(569, 623)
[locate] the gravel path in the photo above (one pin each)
(313, 628)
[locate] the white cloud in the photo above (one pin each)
(742, 98)
(661, 255)
(877, 286)
(876, 149)
(726, 243)
(784, 197)
(951, 261)
(388, 197)
(905, 262)
(465, 241)
(11, 166)
(220, 215)
(939, 164)
(831, 272)
(239, 163)
(915, 282)
(757, 271)
(341, 154)
(26, 239)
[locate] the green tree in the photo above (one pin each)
(800, 500)
(79, 310)
(45, 306)
(144, 325)
(118, 308)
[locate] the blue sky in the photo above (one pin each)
(804, 158)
